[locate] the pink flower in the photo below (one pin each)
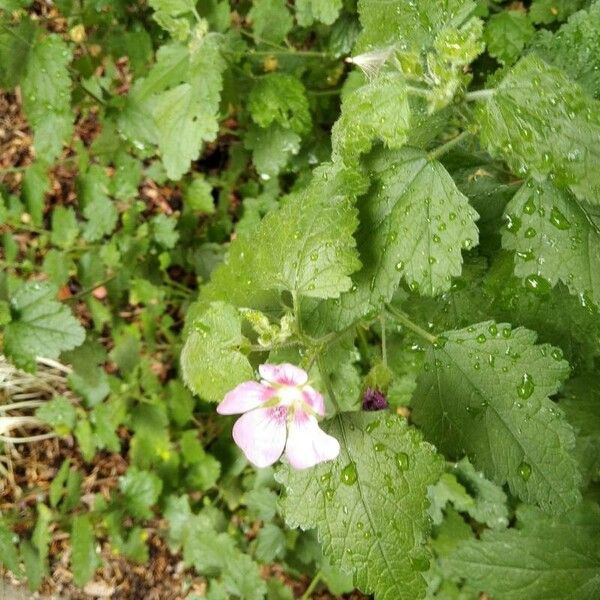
(279, 412)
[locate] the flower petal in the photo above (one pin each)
(314, 399)
(260, 434)
(284, 374)
(244, 397)
(307, 444)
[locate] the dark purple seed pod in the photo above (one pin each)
(374, 400)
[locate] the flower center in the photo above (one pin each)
(291, 396)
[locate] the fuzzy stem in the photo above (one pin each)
(484, 94)
(446, 146)
(404, 320)
(312, 585)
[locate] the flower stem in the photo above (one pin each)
(383, 338)
(89, 290)
(312, 585)
(484, 94)
(327, 381)
(417, 91)
(403, 319)
(445, 147)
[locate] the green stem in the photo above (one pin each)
(89, 290)
(445, 147)
(403, 319)
(296, 307)
(328, 386)
(312, 585)
(277, 49)
(484, 94)
(416, 91)
(307, 53)
(383, 338)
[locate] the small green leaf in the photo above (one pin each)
(40, 325)
(575, 48)
(46, 95)
(59, 413)
(163, 230)
(64, 227)
(84, 558)
(270, 543)
(35, 185)
(210, 360)
(140, 490)
(271, 148)
(280, 98)
(8, 549)
(324, 11)
(57, 486)
(507, 33)
(198, 196)
(271, 20)
(379, 110)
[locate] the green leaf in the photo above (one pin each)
(186, 115)
(549, 557)
(98, 208)
(64, 227)
(35, 185)
(271, 148)
(271, 20)
(489, 504)
(140, 490)
(15, 44)
(166, 13)
(85, 439)
(369, 505)
(59, 413)
(8, 550)
(56, 489)
(544, 124)
(324, 11)
(164, 230)
(35, 567)
(216, 554)
(581, 404)
(575, 48)
(46, 96)
(270, 543)
(40, 325)
(198, 196)
(484, 392)
(210, 360)
(507, 33)
(555, 237)
(411, 25)
(280, 98)
(414, 223)
(549, 11)
(378, 110)
(84, 558)
(305, 247)
(262, 504)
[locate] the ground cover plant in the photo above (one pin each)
(300, 298)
